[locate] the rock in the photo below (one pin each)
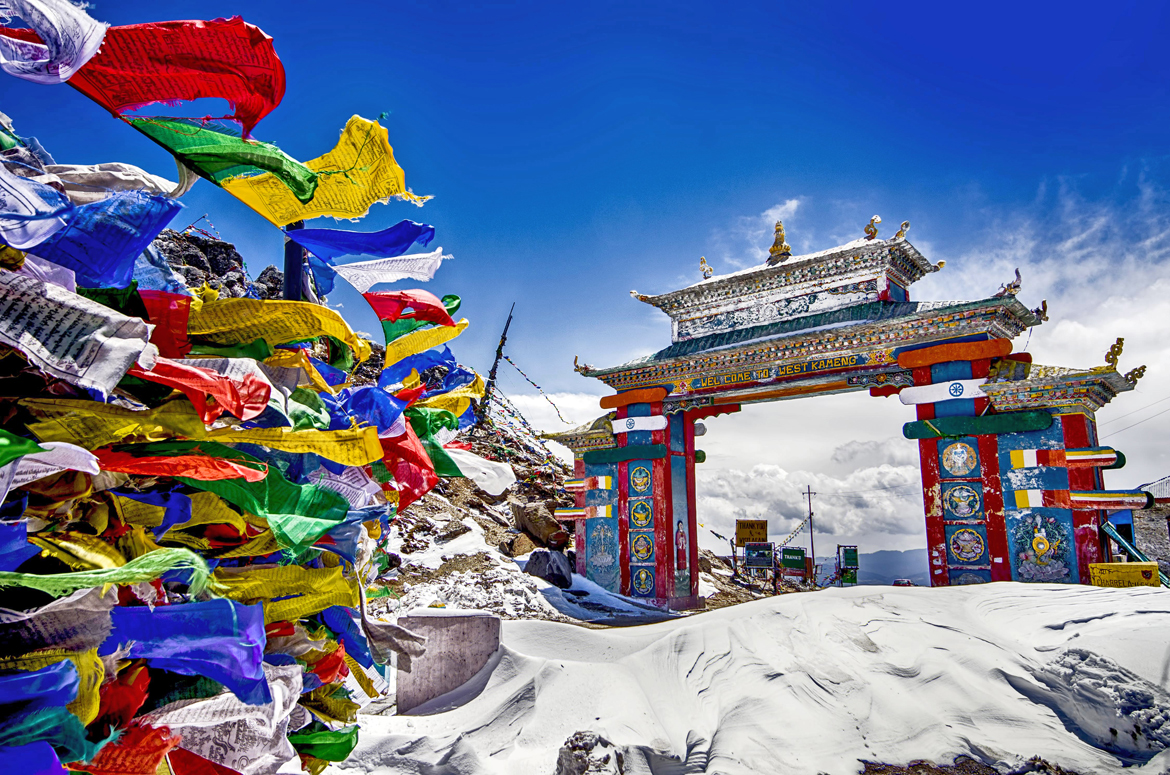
(553, 567)
(588, 753)
(534, 519)
(197, 259)
(571, 556)
(451, 531)
(517, 545)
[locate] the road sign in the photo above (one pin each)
(757, 555)
(792, 557)
(848, 557)
(751, 531)
(1124, 574)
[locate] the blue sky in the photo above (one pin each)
(579, 151)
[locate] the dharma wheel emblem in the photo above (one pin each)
(956, 389)
(630, 423)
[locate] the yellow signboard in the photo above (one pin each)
(1124, 574)
(751, 531)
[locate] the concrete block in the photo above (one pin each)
(459, 645)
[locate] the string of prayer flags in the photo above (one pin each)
(331, 244)
(222, 157)
(60, 40)
(422, 339)
(359, 172)
(239, 321)
(245, 395)
(364, 275)
(163, 62)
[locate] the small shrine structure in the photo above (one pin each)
(1011, 468)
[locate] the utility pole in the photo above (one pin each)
(812, 544)
(294, 262)
(491, 380)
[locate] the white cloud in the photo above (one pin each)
(746, 243)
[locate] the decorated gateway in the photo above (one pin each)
(1011, 468)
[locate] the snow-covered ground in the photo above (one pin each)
(816, 682)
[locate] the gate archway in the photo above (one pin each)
(1011, 469)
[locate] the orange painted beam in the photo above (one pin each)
(959, 351)
(642, 396)
(782, 393)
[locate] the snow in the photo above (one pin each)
(815, 682)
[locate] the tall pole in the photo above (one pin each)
(812, 544)
(491, 380)
(294, 262)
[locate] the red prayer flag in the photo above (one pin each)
(202, 467)
(142, 64)
(389, 306)
(183, 762)
(137, 752)
(169, 313)
(413, 470)
(211, 393)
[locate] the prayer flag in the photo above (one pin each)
(364, 275)
(244, 395)
(88, 183)
(101, 241)
(358, 172)
(61, 38)
(30, 212)
(413, 471)
(491, 476)
(221, 157)
(330, 244)
(228, 59)
(389, 306)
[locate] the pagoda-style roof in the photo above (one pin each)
(863, 270)
(597, 434)
(1073, 390)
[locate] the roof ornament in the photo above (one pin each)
(581, 368)
(902, 231)
(1133, 376)
(871, 229)
(780, 249)
(1011, 289)
(1114, 353)
(705, 268)
(1041, 312)
(640, 296)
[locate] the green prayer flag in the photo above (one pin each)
(13, 446)
(403, 326)
(219, 156)
(259, 350)
(426, 423)
(298, 514)
(319, 741)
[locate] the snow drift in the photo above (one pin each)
(810, 683)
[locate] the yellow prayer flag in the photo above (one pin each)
(350, 447)
(359, 171)
(239, 321)
(80, 551)
(299, 359)
(420, 340)
(90, 424)
(456, 401)
(315, 589)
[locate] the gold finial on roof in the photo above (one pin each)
(1041, 312)
(1114, 353)
(902, 231)
(1012, 288)
(1133, 376)
(871, 228)
(705, 268)
(780, 249)
(580, 368)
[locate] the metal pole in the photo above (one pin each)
(812, 544)
(294, 261)
(491, 380)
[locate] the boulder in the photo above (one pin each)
(553, 567)
(535, 519)
(588, 753)
(516, 545)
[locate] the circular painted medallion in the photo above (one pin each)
(967, 545)
(963, 501)
(642, 547)
(643, 581)
(959, 459)
(640, 479)
(640, 514)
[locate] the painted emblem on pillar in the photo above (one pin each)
(959, 459)
(962, 501)
(643, 581)
(641, 514)
(966, 545)
(642, 547)
(1042, 545)
(640, 479)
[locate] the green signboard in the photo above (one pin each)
(849, 576)
(792, 558)
(849, 557)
